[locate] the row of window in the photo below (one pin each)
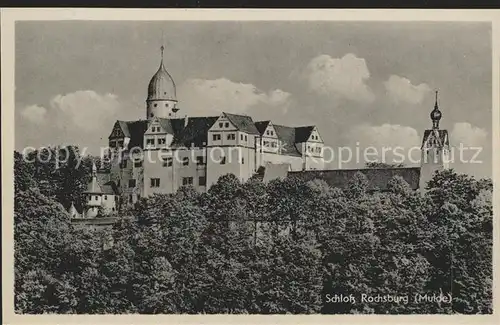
(230, 136)
(315, 149)
(269, 132)
(161, 141)
(271, 144)
(96, 197)
(168, 161)
(315, 137)
(117, 144)
(202, 181)
(222, 125)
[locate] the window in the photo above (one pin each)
(105, 197)
(202, 181)
(245, 137)
(221, 125)
(162, 140)
(273, 144)
(167, 161)
(267, 132)
(131, 183)
(150, 141)
(231, 136)
(185, 161)
(242, 160)
(123, 163)
(96, 197)
(138, 164)
(155, 105)
(199, 160)
(266, 143)
(241, 137)
(226, 124)
(271, 132)
(223, 161)
(130, 198)
(112, 144)
(216, 137)
(155, 182)
(187, 181)
(120, 143)
(151, 115)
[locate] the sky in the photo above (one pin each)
(363, 84)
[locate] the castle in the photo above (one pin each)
(163, 152)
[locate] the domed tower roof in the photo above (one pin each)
(162, 85)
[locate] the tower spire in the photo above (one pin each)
(436, 114)
(162, 48)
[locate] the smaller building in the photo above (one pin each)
(101, 200)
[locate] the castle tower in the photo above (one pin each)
(93, 195)
(162, 98)
(435, 148)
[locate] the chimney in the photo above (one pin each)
(186, 120)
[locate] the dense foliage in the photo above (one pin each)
(281, 247)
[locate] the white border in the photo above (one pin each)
(8, 18)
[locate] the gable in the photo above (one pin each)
(223, 124)
(270, 132)
(315, 136)
(119, 130)
(156, 126)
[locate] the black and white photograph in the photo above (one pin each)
(252, 167)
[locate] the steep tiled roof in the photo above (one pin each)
(109, 188)
(303, 133)
(136, 130)
(195, 132)
(243, 123)
(287, 136)
(124, 127)
(442, 134)
(261, 126)
(378, 178)
(103, 177)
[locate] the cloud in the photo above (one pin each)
(344, 77)
(468, 135)
(401, 90)
(84, 109)
(34, 113)
(201, 96)
(390, 143)
(82, 118)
